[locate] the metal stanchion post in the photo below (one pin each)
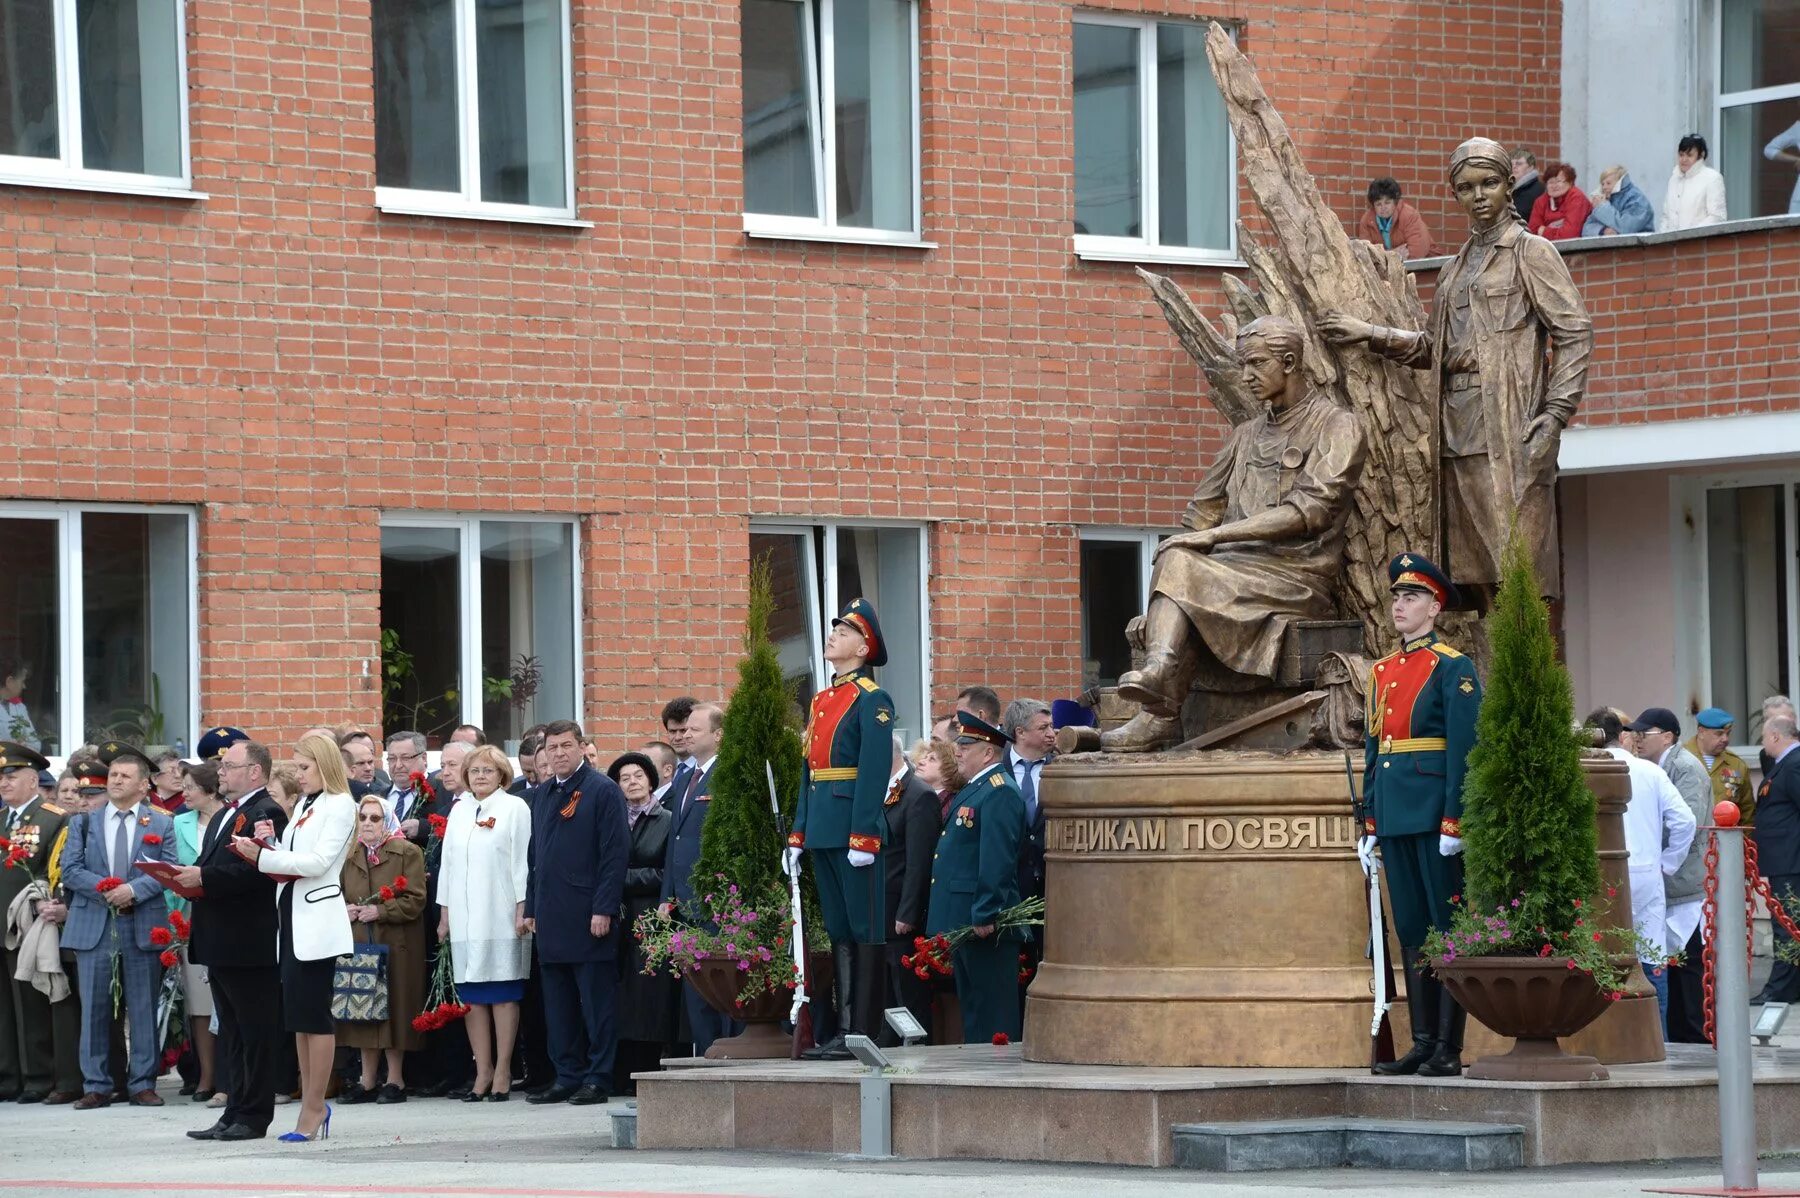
(1731, 1016)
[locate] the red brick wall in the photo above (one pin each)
(294, 363)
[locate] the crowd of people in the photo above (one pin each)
(1675, 784)
(1551, 204)
(297, 917)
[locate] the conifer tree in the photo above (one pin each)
(1528, 815)
(741, 839)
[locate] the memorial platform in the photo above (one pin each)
(982, 1102)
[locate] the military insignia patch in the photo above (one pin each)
(1467, 687)
(883, 716)
(995, 780)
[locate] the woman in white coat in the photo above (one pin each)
(481, 894)
(315, 926)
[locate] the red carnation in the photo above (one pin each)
(5, 843)
(421, 1023)
(161, 937)
(400, 883)
(152, 838)
(170, 958)
(438, 823)
(387, 894)
(180, 923)
(1000, 1039)
(416, 781)
(15, 856)
(108, 883)
(923, 973)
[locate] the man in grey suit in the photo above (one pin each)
(106, 844)
(688, 799)
(1659, 741)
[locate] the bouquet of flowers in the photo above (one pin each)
(442, 1005)
(933, 954)
(721, 926)
(171, 1002)
(104, 887)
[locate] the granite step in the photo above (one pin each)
(1425, 1145)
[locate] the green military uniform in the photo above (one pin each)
(975, 877)
(33, 832)
(849, 754)
(1422, 702)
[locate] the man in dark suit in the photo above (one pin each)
(1031, 724)
(580, 841)
(31, 826)
(689, 798)
(913, 825)
(1777, 835)
(234, 936)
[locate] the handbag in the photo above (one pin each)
(359, 988)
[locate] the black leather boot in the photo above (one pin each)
(843, 963)
(868, 1001)
(1421, 1004)
(1452, 1020)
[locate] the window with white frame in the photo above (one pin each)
(479, 625)
(816, 569)
(1749, 596)
(1155, 164)
(831, 118)
(1115, 588)
(472, 108)
(94, 94)
(98, 638)
(1759, 106)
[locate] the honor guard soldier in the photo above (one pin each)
(840, 819)
(1422, 701)
(33, 828)
(975, 877)
(1730, 776)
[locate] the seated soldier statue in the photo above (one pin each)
(1266, 546)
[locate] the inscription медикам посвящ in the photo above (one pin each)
(1200, 835)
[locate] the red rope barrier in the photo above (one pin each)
(1709, 910)
(1754, 884)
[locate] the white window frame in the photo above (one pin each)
(1146, 539)
(1693, 604)
(467, 203)
(825, 610)
(1147, 248)
(65, 172)
(821, 83)
(468, 551)
(72, 615)
(1724, 99)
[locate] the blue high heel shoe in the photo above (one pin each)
(322, 1132)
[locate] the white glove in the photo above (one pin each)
(859, 859)
(792, 862)
(1449, 846)
(1365, 853)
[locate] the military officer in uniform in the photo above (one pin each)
(840, 819)
(975, 876)
(1422, 701)
(1730, 776)
(32, 824)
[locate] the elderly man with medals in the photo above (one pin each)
(840, 819)
(1422, 703)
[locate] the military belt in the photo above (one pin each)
(1415, 744)
(841, 773)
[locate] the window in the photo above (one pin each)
(1759, 106)
(97, 626)
(472, 101)
(1155, 164)
(1749, 596)
(1115, 589)
(93, 94)
(831, 119)
(478, 625)
(816, 570)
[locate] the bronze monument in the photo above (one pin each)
(1267, 545)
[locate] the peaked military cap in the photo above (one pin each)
(212, 746)
(1416, 572)
(860, 615)
(971, 727)
(116, 750)
(15, 756)
(1715, 718)
(89, 773)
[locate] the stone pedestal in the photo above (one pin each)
(1207, 909)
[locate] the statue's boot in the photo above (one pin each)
(1143, 733)
(1170, 660)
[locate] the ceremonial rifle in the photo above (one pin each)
(801, 1012)
(1381, 983)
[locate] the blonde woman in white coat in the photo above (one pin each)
(315, 926)
(481, 892)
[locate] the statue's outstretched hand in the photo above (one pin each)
(1198, 541)
(1340, 329)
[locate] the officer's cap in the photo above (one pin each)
(15, 756)
(972, 729)
(1416, 572)
(114, 751)
(212, 746)
(859, 614)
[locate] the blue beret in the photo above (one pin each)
(1716, 718)
(1067, 713)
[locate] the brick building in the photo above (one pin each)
(350, 338)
